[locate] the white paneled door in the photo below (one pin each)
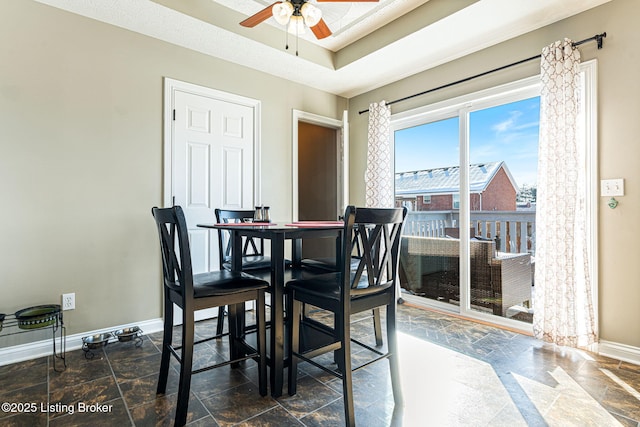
(213, 141)
(213, 166)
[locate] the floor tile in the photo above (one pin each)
(238, 404)
(454, 372)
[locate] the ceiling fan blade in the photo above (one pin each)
(321, 30)
(259, 17)
(346, 1)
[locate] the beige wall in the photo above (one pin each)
(618, 124)
(81, 152)
(81, 158)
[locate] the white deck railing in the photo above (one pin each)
(513, 231)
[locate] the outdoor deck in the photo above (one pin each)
(501, 265)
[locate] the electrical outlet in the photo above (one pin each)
(69, 301)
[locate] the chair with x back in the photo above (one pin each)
(196, 292)
(366, 284)
(329, 264)
(253, 256)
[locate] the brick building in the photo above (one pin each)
(491, 186)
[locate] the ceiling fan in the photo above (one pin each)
(297, 14)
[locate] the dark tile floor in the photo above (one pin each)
(454, 373)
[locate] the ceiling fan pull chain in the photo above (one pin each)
(296, 42)
(297, 27)
(286, 39)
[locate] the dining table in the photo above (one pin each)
(277, 233)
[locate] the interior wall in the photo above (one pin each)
(618, 127)
(82, 158)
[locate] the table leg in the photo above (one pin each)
(277, 315)
(239, 318)
(236, 251)
(296, 252)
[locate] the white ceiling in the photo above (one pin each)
(348, 21)
(474, 27)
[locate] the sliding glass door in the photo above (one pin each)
(469, 243)
(427, 169)
(503, 157)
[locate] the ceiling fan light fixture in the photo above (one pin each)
(296, 25)
(311, 14)
(282, 12)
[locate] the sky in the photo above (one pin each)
(507, 132)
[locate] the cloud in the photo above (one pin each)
(512, 124)
(508, 124)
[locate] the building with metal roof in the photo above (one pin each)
(491, 185)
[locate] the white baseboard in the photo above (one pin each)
(623, 352)
(22, 352)
(42, 348)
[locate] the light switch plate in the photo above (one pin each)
(612, 187)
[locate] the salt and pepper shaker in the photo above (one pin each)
(261, 214)
(257, 215)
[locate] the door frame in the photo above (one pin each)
(170, 87)
(342, 143)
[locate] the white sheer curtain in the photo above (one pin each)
(563, 306)
(379, 174)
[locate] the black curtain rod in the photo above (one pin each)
(598, 38)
